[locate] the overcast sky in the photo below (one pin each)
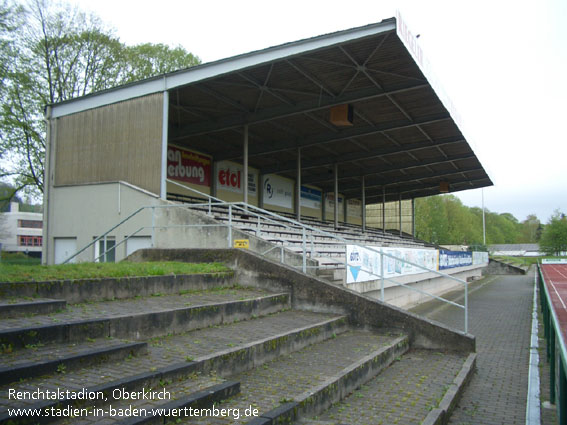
(503, 63)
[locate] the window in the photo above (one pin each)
(100, 249)
(30, 224)
(30, 241)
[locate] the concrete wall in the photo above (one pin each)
(84, 212)
(500, 268)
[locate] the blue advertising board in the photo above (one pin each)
(451, 259)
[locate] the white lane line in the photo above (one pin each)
(560, 299)
(558, 270)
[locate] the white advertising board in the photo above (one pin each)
(479, 257)
(311, 198)
(229, 176)
(278, 191)
(354, 208)
(330, 205)
(364, 265)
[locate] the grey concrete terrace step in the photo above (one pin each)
(410, 391)
(141, 318)
(22, 307)
(43, 360)
(104, 289)
(314, 374)
(201, 351)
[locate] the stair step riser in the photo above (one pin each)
(29, 370)
(78, 291)
(147, 325)
(255, 354)
(199, 400)
(34, 307)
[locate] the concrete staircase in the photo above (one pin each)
(248, 342)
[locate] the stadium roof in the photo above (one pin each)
(402, 137)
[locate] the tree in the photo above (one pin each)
(531, 229)
(554, 237)
(59, 53)
(445, 220)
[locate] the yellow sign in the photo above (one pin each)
(241, 243)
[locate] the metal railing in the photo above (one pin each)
(290, 225)
(553, 336)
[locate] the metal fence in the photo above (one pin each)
(556, 351)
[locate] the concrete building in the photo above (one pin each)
(315, 128)
(21, 231)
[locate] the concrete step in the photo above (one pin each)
(141, 318)
(46, 359)
(418, 388)
(90, 290)
(311, 378)
(25, 307)
(181, 357)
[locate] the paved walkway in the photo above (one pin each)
(500, 318)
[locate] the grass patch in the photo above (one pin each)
(21, 273)
(522, 261)
(18, 258)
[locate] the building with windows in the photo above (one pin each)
(21, 231)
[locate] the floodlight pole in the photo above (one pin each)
(483, 219)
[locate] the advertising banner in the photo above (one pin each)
(230, 175)
(330, 204)
(311, 198)
(364, 265)
(278, 191)
(354, 208)
(479, 257)
(451, 259)
(187, 166)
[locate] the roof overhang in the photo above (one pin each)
(402, 139)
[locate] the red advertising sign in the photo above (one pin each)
(188, 166)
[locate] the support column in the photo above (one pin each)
(46, 253)
(245, 165)
(400, 211)
(260, 190)
(363, 205)
(323, 206)
(384, 210)
(413, 217)
(214, 178)
(336, 216)
(298, 187)
(345, 210)
(164, 128)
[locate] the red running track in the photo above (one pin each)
(555, 276)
